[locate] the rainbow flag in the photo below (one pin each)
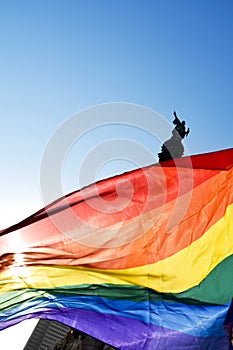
(143, 260)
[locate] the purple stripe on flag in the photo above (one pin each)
(126, 333)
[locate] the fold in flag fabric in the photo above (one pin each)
(143, 260)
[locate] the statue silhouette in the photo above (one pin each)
(180, 126)
(173, 148)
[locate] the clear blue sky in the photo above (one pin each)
(58, 57)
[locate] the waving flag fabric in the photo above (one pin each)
(143, 260)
